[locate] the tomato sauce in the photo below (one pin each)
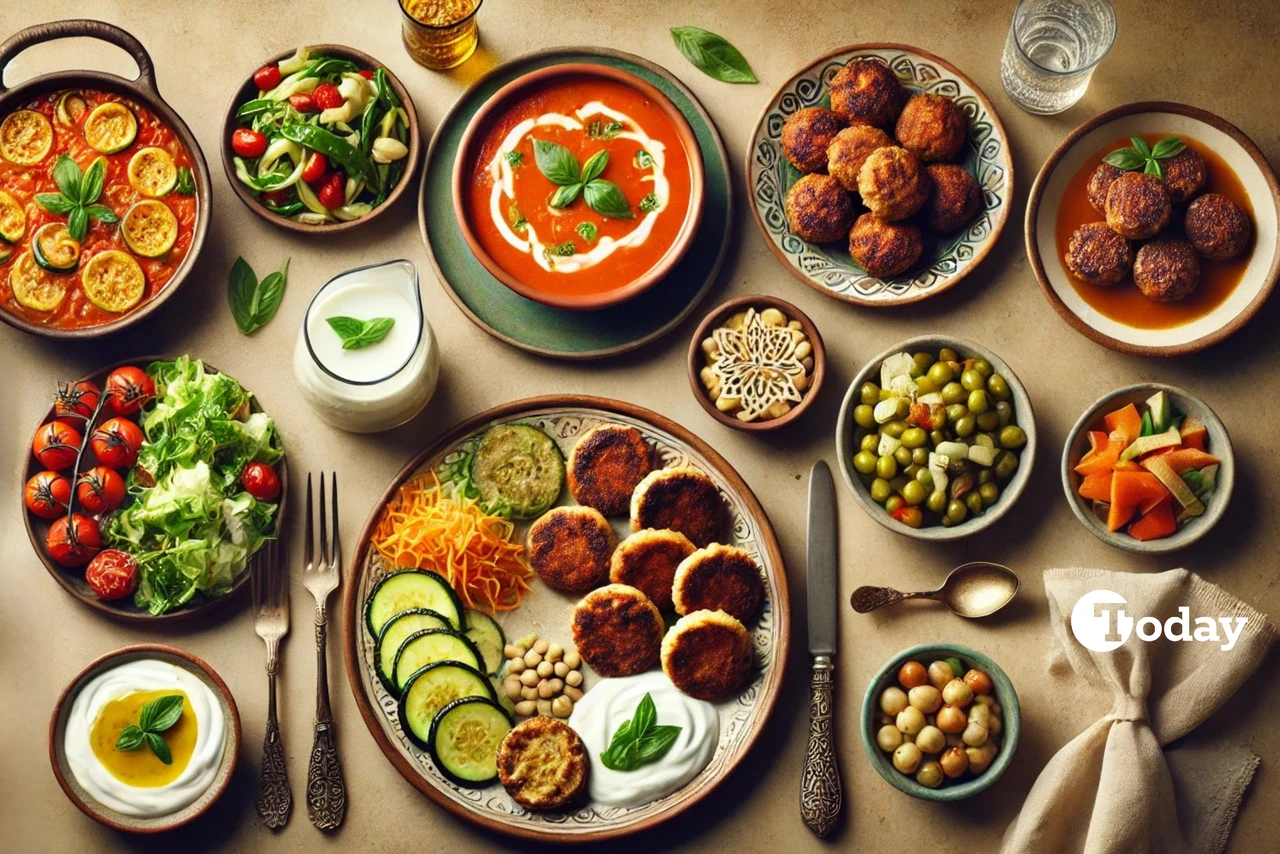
(626, 168)
(1123, 302)
(24, 182)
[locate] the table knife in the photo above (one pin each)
(821, 793)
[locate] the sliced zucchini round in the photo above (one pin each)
(149, 228)
(429, 646)
(13, 218)
(71, 106)
(518, 470)
(488, 637)
(35, 287)
(55, 249)
(111, 127)
(152, 172)
(113, 281)
(25, 137)
(412, 588)
(434, 687)
(464, 740)
(397, 631)
(6, 252)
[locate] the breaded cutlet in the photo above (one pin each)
(570, 547)
(605, 466)
(647, 561)
(707, 654)
(617, 630)
(719, 578)
(680, 499)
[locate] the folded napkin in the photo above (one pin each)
(1114, 788)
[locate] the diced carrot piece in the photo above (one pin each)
(1128, 465)
(1102, 459)
(1146, 506)
(1097, 439)
(1194, 434)
(1118, 517)
(1130, 491)
(1156, 523)
(1126, 423)
(1185, 459)
(1097, 487)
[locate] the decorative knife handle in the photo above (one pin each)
(326, 791)
(274, 798)
(821, 794)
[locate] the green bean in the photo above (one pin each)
(998, 387)
(982, 366)
(1006, 465)
(886, 467)
(914, 493)
(880, 490)
(989, 421)
(941, 374)
(972, 380)
(1012, 436)
(865, 462)
(953, 392)
(864, 416)
(978, 402)
(914, 437)
(869, 394)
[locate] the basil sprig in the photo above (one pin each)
(253, 303)
(157, 716)
(712, 55)
(356, 333)
(1145, 157)
(640, 740)
(80, 192)
(561, 168)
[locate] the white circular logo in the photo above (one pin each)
(1099, 622)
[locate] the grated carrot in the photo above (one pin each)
(426, 527)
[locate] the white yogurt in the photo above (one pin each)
(611, 702)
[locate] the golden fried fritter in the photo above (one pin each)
(818, 209)
(850, 149)
(617, 630)
(954, 199)
(1217, 227)
(719, 578)
(647, 561)
(707, 654)
(866, 92)
(933, 127)
(543, 764)
(569, 548)
(893, 183)
(605, 466)
(1097, 255)
(1166, 270)
(884, 248)
(1099, 183)
(1185, 174)
(680, 499)
(805, 136)
(1137, 206)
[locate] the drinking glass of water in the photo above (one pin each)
(1052, 49)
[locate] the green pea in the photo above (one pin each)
(914, 437)
(941, 374)
(914, 493)
(974, 502)
(985, 476)
(923, 361)
(903, 407)
(965, 426)
(864, 416)
(937, 502)
(983, 367)
(989, 492)
(1005, 410)
(912, 470)
(1012, 436)
(886, 467)
(956, 411)
(953, 392)
(946, 354)
(998, 387)
(948, 522)
(937, 437)
(972, 380)
(893, 503)
(865, 462)
(957, 512)
(870, 442)
(911, 517)
(920, 456)
(880, 490)
(1006, 465)
(989, 421)
(903, 455)
(925, 477)
(894, 428)
(924, 385)
(869, 394)
(978, 402)
(898, 482)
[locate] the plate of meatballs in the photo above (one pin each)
(1152, 229)
(880, 174)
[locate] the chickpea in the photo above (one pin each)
(545, 669)
(573, 678)
(931, 740)
(526, 708)
(974, 735)
(532, 658)
(978, 682)
(555, 652)
(907, 758)
(940, 673)
(512, 651)
(957, 693)
(544, 707)
(557, 685)
(994, 727)
(955, 741)
(511, 687)
(954, 762)
(529, 678)
(516, 666)
(912, 675)
(541, 646)
(572, 659)
(560, 669)
(980, 758)
(528, 692)
(893, 700)
(773, 317)
(544, 689)
(910, 721)
(707, 376)
(889, 738)
(951, 720)
(926, 698)
(562, 707)
(709, 346)
(930, 775)
(980, 715)
(572, 693)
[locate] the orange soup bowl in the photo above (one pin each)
(622, 229)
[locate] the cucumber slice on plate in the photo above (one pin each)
(431, 689)
(464, 740)
(429, 646)
(518, 471)
(412, 588)
(396, 631)
(487, 635)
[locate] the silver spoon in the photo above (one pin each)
(977, 589)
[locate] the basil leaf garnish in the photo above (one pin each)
(1168, 147)
(649, 203)
(594, 166)
(130, 738)
(556, 162)
(515, 158)
(587, 231)
(713, 55)
(159, 747)
(606, 198)
(356, 333)
(78, 223)
(161, 713)
(564, 196)
(640, 740)
(67, 175)
(253, 303)
(1145, 157)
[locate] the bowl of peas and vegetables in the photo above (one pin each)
(936, 438)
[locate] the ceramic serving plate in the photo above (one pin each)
(742, 717)
(827, 267)
(1165, 118)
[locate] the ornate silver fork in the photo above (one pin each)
(326, 792)
(270, 585)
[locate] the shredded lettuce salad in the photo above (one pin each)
(190, 525)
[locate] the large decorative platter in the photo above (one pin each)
(947, 258)
(742, 717)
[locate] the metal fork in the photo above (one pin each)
(270, 585)
(326, 792)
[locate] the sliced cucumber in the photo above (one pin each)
(518, 470)
(434, 687)
(55, 249)
(412, 588)
(429, 646)
(488, 637)
(397, 631)
(464, 740)
(13, 218)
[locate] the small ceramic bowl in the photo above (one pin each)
(717, 318)
(1010, 717)
(847, 448)
(1219, 444)
(105, 815)
(248, 90)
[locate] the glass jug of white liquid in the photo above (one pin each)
(374, 386)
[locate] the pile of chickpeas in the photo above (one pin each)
(542, 678)
(939, 725)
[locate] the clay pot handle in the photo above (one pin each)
(80, 27)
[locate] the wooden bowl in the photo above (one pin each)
(105, 815)
(717, 318)
(1228, 142)
(249, 90)
(1219, 445)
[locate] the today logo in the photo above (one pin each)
(1100, 622)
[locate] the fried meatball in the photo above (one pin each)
(680, 499)
(647, 561)
(954, 199)
(1099, 182)
(617, 630)
(933, 127)
(1217, 227)
(1137, 206)
(543, 764)
(884, 248)
(819, 210)
(850, 149)
(806, 135)
(1097, 255)
(719, 578)
(1166, 270)
(1184, 175)
(605, 466)
(707, 654)
(893, 183)
(570, 548)
(866, 92)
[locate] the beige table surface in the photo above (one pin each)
(1212, 54)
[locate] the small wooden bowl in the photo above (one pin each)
(249, 90)
(717, 318)
(105, 815)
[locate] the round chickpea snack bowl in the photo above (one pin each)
(968, 784)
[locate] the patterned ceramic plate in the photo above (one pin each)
(549, 613)
(947, 258)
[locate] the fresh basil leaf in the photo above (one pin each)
(594, 166)
(102, 213)
(242, 287)
(655, 745)
(67, 175)
(130, 738)
(161, 713)
(91, 184)
(186, 184)
(556, 162)
(1140, 145)
(1155, 169)
(587, 231)
(713, 55)
(270, 294)
(515, 158)
(55, 203)
(356, 333)
(159, 747)
(564, 196)
(645, 717)
(78, 223)
(606, 199)
(1125, 158)
(1170, 146)
(639, 740)
(644, 160)
(649, 203)
(346, 327)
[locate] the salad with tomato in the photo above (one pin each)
(324, 140)
(162, 482)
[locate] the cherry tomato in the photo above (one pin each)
(248, 143)
(303, 103)
(327, 96)
(56, 445)
(116, 443)
(366, 73)
(333, 192)
(112, 574)
(261, 481)
(267, 77)
(275, 198)
(100, 490)
(75, 402)
(316, 167)
(73, 544)
(47, 494)
(128, 388)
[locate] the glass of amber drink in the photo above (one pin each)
(440, 34)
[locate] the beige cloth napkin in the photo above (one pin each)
(1114, 788)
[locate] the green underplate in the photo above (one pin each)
(555, 332)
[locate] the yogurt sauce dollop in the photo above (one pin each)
(610, 703)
